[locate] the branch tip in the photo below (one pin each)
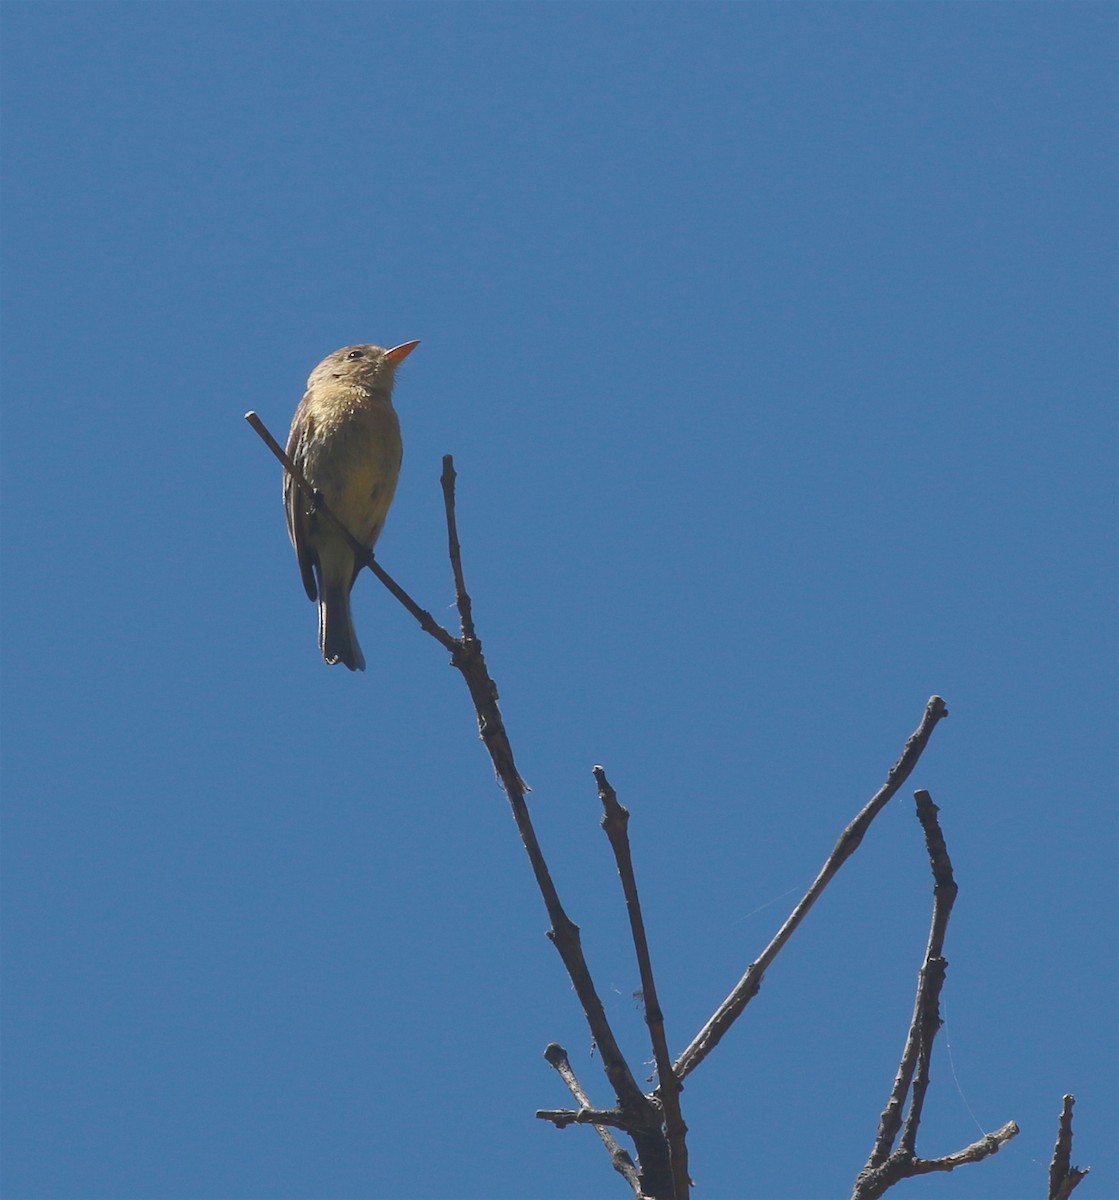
(1063, 1176)
(748, 986)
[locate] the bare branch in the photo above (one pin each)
(312, 494)
(619, 1158)
(926, 1019)
(468, 658)
(886, 1166)
(561, 1118)
(1063, 1176)
(990, 1144)
(615, 822)
(748, 986)
(289, 466)
(454, 550)
(362, 553)
(641, 1114)
(898, 1166)
(656, 1122)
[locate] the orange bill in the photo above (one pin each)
(399, 353)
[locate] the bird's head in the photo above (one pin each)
(368, 367)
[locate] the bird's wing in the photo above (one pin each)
(295, 503)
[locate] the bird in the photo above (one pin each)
(345, 438)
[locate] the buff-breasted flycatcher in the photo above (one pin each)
(345, 438)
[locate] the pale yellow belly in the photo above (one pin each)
(355, 462)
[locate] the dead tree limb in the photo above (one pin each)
(655, 1122)
(1063, 1176)
(887, 1165)
(615, 822)
(621, 1161)
(639, 1114)
(750, 984)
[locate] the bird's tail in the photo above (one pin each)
(337, 639)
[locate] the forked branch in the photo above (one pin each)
(621, 1161)
(639, 1114)
(615, 822)
(1063, 1176)
(655, 1122)
(886, 1165)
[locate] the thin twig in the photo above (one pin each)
(899, 1166)
(615, 822)
(640, 1113)
(930, 979)
(748, 986)
(987, 1145)
(886, 1166)
(312, 494)
(273, 445)
(619, 1157)
(363, 554)
(930, 983)
(1063, 1176)
(454, 550)
(602, 1118)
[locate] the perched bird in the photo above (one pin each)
(345, 438)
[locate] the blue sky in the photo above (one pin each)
(775, 347)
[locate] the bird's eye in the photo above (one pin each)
(356, 354)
